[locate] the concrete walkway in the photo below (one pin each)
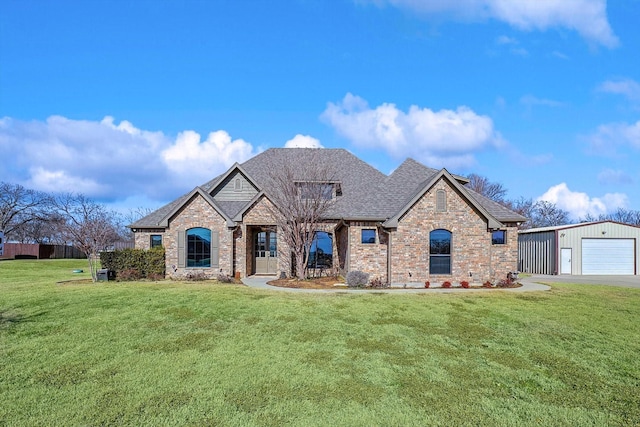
(260, 282)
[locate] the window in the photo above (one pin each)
(498, 237)
(440, 252)
(441, 201)
(156, 241)
(237, 185)
(198, 247)
(369, 236)
(321, 253)
(316, 190)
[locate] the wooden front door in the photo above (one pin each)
(265, 252)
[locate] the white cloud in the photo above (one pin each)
(112, 161)
(587, 17)
(608, 137)
(444, 137)
(611, 176)
(303, 141)
(626, 87)
(579, 205)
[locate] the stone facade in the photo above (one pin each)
(198, 213)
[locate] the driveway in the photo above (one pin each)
(624, 281)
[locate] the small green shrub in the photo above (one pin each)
(357, 279)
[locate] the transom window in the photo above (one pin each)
(440, 252)
(198, 247)
(498, 237)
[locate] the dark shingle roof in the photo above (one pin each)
(367, 193)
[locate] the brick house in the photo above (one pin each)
(413, 225)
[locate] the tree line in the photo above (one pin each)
(543, 213)
(29, 216)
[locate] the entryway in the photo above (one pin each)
(265, 251)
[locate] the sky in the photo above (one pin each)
(134, 103)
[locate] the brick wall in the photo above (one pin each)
(370, 258)
(198, 213)
(471, 248)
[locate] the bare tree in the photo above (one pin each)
(547, 214)
(621, 215)
(482, 185)
(20, 206)
(87, 225)
(298, 205)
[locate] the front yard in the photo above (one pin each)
(197, 353)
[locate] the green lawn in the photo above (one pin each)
(173, 353)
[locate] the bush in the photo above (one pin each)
(129, 275)
(357, 279)
(487, 284)
(224, 278)
(446, 284)
(427, 284)
(195, 276)
(464, 284)
(148, 263)
(378, 283)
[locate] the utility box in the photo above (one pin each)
(106, 274)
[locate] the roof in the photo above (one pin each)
(367, 193)
(566, 226)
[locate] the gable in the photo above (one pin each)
(235, 188)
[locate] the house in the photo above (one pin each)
(601, 247)
(413, 225)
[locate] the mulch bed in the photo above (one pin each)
(317, 283)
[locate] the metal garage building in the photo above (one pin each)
(603, 247)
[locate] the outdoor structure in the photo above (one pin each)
(414, 225)
(603, 247)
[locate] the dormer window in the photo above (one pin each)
(316, 190)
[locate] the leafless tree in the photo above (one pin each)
(300, 197)
(19, 207)
(87, 225)
(547, 214)
(621, 215)
(482, 185)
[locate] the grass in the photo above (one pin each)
(172, 353)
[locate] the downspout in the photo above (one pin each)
(557, 255)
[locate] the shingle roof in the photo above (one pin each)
(367, 193)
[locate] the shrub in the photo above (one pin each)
(195, 276)
(357, 279)
(464, 284)
(378, 283)
(224, 278)
(427, 284)
(487, 284)
(129, 275)
(446, 284)
(148, 263)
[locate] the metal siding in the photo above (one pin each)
(536, 252)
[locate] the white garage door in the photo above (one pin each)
(608, 256)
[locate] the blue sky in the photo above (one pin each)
(134, 103)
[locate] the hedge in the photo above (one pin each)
(135, 263)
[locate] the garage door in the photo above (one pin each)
(608, 256)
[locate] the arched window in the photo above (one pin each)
(198, 247)
(321, 253)
(440, 252)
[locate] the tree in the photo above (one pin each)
(19, 207)
(299, 202)
(547, 214)
(87, 225)
(482, 185)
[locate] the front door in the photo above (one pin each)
(265, 252)
(565, 261)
